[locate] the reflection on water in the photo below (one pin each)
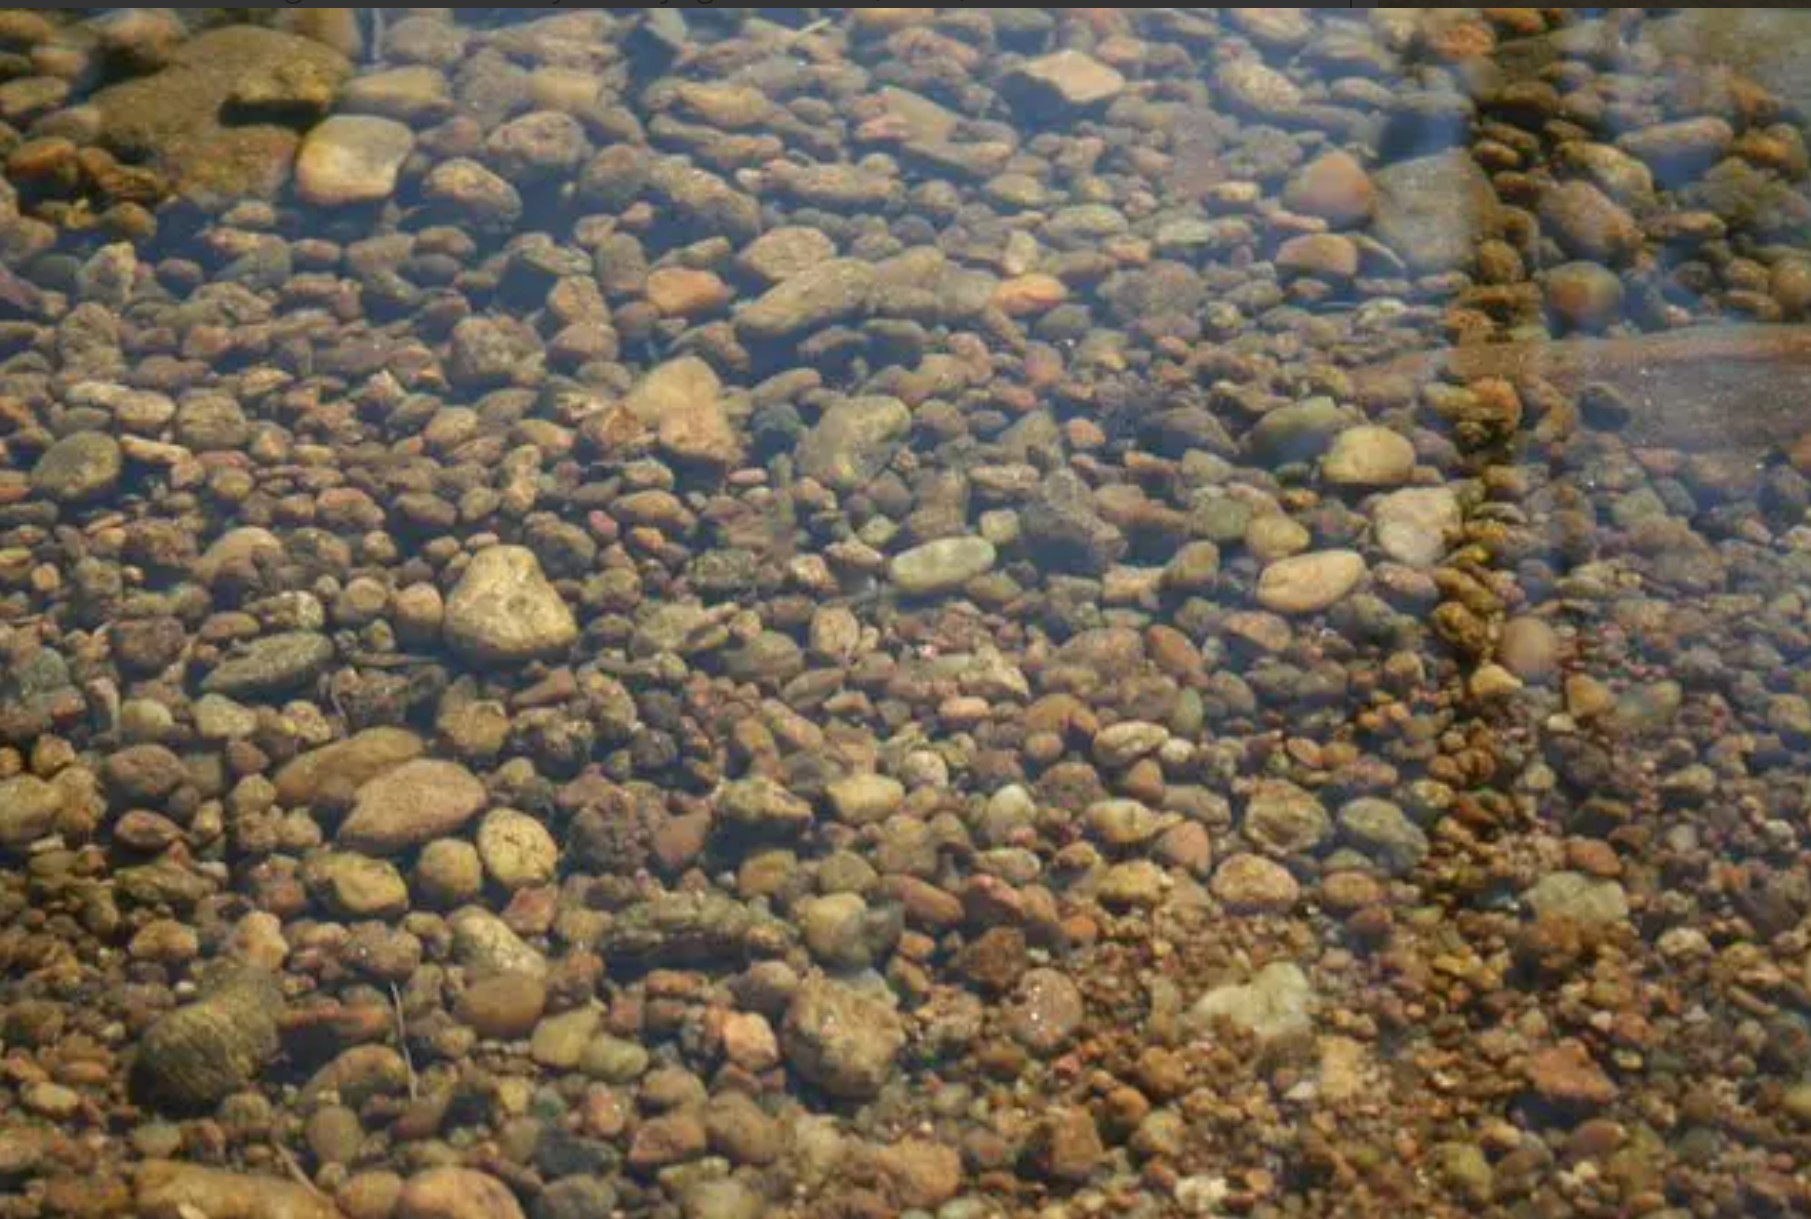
(904, 612)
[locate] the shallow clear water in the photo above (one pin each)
(904, 612)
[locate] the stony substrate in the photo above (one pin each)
(693, 616)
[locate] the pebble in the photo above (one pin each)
(270, 667)
(826, 292)
(1334, 187)
(456, 1193)
(1253, 884)
(78, 468)
(942, 566)
(1066, 78)
(168, 1190)
(1277, 1002)
(28, 810)
(841, 1039)
(1369, 456)
(1416, 526)
(517, 850)
(352, 158)
(411, 804)
(197, 1055)
(1046, 1011)
(504, 1006)
(505, 611)
(1309, 583)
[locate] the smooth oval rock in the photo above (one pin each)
(352, 158)
(413, 803)
(941, 566)
(1309, 583)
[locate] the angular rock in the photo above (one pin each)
(28, 810)
(1064, 529)
(221, 118)
(828, 292)
(854, 441)
(841, 1039)
(1275, 1003)
(1067, 78)
(505, 611)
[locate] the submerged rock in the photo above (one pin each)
(222, 117)
(505, 611)
(841, 1039)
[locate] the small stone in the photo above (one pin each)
(1565, 1075)
(686, 291)
(783, 252)
(505, 611)
(516, 849)
(331, 774)
(1046, 1011)
(1253, 86)
(28, 810)
(1529, 648)
(195, 1056)
(865, 799)
(505, 1006)
(1065, 78)
(271, 666)
(449, 873)
(841, 1039)
(829, 292)
(359, 887)
(456, 1193)
(1584, 295)
(164, 1189)
(1251, 883)
(466, 190)
(1414, 526)
(854, 441)
(1309, 583)
(1369, 456)
(1065, 1145)
(942, 566)
(80, 467)
(1333, 187)
(1681, 150)
(1384, 832)
(410, 804)
(920, 1173)
(1277, 1002)
(1582, 899)
(1434, 209)
(1588, 224)
(1285, 819)
(350, 158)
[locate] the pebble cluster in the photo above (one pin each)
(749, 614)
